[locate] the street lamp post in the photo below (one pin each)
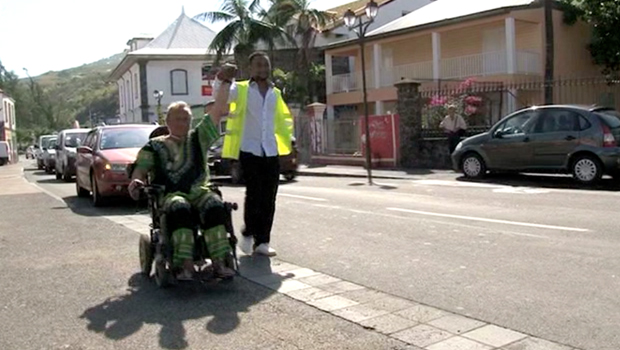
(357, 24)
(158, 95)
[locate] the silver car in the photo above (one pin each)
(582, 141)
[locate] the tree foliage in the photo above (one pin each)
(54, 100)
(604, 17)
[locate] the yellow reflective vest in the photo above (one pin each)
(235, 123)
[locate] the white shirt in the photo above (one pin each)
(453, 125)
(258, 133)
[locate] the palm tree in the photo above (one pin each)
(241, 34)
(549, 51)
(307, 23)
(279, 19)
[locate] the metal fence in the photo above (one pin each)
(483, 104)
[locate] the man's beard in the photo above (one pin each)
(261, 78)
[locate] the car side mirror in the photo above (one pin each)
(44, 149)
(498, 134)
(36, 146)
(84, 150)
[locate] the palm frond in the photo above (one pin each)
(214, 16)
(254, 7)
(225, 39)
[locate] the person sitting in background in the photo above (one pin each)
(454, 126)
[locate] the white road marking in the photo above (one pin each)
(522, 190)
(429, 220)
(303, 197)
(473, 218)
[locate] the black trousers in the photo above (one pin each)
(261, 176)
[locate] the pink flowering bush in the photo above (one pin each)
(468, 104)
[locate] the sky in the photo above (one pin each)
(44, 35)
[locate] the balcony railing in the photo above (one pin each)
(351, 81)
(462, 67)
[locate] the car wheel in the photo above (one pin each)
(65, 175)
(473, 166)
(289, 176)
(81, 192)
(98, 201)
(587, 169)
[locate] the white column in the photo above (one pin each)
(329, 74)
(379, 108)
(377, 62)
(330, 112)
(511, 45)
(436, 38)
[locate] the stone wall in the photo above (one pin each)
(433, 153)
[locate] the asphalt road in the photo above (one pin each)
(537, 255)
(70, 282)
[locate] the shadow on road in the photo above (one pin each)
(144, 303)
(544, 181)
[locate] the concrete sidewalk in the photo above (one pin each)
(360, 172)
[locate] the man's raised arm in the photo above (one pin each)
(225, 91)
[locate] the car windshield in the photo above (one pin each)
(46, 142)
(125, 138)
(52, 143)
(74, 139)
(611, 118)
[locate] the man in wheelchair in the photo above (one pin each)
(177, 161)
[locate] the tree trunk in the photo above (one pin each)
(549, 51)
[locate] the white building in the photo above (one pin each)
(7, 122)
(176, 62)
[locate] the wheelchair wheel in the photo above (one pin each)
(146, 254)
(163, 275)
(231, 262)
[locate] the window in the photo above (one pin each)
(178, 82)
(610, 117)
(584, 124)
(74, 139)
(516, 125)
(557, 120)
(125, 138)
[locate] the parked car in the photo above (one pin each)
(43, 144)
(102, 159)
(5, 153)
(49, 155)
(66, 148)
(227, 167)
(579, 140)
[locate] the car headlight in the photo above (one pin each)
(117, 168)
(459, 146)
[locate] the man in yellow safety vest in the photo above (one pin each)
(259, 129)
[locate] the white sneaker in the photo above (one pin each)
(265, 249)
(246, 243)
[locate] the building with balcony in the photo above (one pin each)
(449, 41)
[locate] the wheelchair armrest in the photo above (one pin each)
(154, 190)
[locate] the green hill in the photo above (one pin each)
(83, 90)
